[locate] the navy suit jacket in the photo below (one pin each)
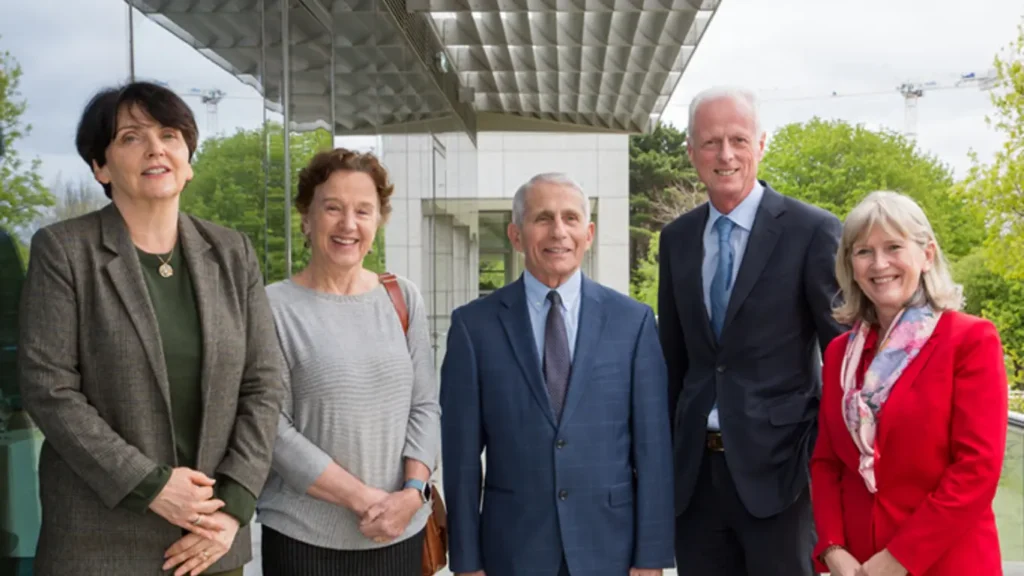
(594, 488)
(764, 371)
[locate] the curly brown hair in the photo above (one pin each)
(328, 162)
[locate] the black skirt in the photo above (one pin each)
(284, 556)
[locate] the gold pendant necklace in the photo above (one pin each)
(165, 265)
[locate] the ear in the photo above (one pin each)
(102, 174)
(515, 236)
(760, 145)
(929, 256)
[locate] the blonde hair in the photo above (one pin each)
(901, 216)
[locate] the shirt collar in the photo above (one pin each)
(537, 293)
(743, 214)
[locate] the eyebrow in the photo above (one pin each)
(128, 127)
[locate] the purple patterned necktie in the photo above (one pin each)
(556, 354)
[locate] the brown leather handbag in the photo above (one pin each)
(435, 535)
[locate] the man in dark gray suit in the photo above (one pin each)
(745, 296)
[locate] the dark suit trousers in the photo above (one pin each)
(716, 536)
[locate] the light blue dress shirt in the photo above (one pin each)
(538, 304)
(743, 218)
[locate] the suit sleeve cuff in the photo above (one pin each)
(239, 503)
(139, 499)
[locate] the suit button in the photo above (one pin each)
(560, 443)
(720, 369)
(563, 495)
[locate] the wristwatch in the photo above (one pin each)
(420, 486)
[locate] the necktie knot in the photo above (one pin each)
(724, 228)
(555, 298)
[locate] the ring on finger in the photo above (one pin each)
(199, 518)
(205, 554)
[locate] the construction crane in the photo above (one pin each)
(913, 91)
(211, 97)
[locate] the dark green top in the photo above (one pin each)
(177, 315)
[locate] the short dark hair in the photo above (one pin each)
(328, 162)
(98, 125)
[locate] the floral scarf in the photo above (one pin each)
(907, 335)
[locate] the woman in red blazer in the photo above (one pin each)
(912, 426)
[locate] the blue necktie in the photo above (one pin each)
(556, 354)
(721, 284)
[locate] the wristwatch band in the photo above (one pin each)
(420, 486)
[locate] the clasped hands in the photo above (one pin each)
(187, 501)
(842, 563)
(384, 516)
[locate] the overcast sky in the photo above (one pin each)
(795, 53)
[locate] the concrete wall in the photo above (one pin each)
(443, 181)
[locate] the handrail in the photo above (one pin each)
(1016, 420)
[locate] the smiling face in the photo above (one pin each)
(554, 234)
(145, 160)
(725, 148)
(342, 219)
(887, 268)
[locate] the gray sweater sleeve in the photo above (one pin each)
(297, 459)
(424, 429)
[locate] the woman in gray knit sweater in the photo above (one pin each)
(359, 429)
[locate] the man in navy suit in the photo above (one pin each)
(746, 289)
(561, 383)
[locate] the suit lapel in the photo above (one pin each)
(588, 336)
(689, 280)
(205, 274)
(515, 319)
(126, 275)
(760, 244)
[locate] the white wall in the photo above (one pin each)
(598, 162)
(494, 169)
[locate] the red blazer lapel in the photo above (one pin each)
(904, 390)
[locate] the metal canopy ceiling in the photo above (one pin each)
(403, 65)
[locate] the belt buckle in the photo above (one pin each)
(714, 442)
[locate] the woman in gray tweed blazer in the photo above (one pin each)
(148, 358)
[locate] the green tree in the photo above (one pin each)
(997, 188)
(230, 174)
(22, 193)
(994, 276)
(71, 199)
(834, 164)
(990, 293)
(662, 185)
(644, 286)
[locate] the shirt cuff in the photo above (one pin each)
(139, 499)
(239, 503)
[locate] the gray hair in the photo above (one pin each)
(739, 96)
(901, 216)
(556, 178)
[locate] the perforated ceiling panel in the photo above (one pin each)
(508, 64)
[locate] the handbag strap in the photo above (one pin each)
(390, 282)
